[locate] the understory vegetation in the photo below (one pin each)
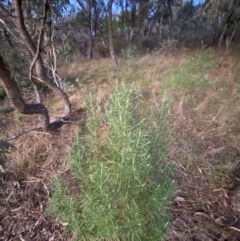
(196, 132)
(119, 120)
(124, 183)
(155, 155)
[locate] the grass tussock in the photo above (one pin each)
(124, 179)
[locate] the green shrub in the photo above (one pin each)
(191, 75)
(123, 175)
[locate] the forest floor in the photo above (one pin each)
(204, 87)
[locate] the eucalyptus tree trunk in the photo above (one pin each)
(157, 8)
(171, 18)
(110, 29)
(90, 34)
(102, 37)
(132, 22)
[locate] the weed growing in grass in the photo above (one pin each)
(124, 179)
(191, 75)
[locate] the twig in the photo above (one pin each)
(54, 65)
(79, 121)
(230, 40)
(49, 43)
(57, 78)
(235, 229)
(6, 12)
(25, 132)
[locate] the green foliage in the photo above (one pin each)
(65, 51)
(17, 117)
(124, 179)
(115, 25)
(105, 26)
(25, 86)
(130, 52)
(187, 11)
(81, 19)
(5, 147)
(15, 59)
(191, 75)
(3, 93)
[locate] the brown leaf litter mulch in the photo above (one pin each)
(21, 211)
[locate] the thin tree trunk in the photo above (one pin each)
(110, 29)
(232, 35)
(160, 31)
(133, 22)
(15, 96)
(102, 38)
(170, 22)
(151, 28)
(154, 20)
(222, 35)
(90, 45)
(90, 37)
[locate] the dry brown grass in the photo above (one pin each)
(38, 154)
(206, 150)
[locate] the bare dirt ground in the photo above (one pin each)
(21, 210)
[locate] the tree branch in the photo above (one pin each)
(22, 27)
(40, 39)
(83, 8)
(15, 96)
(25, 132)
(9, 31)
(5, 12)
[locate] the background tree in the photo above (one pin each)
(110, 29)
